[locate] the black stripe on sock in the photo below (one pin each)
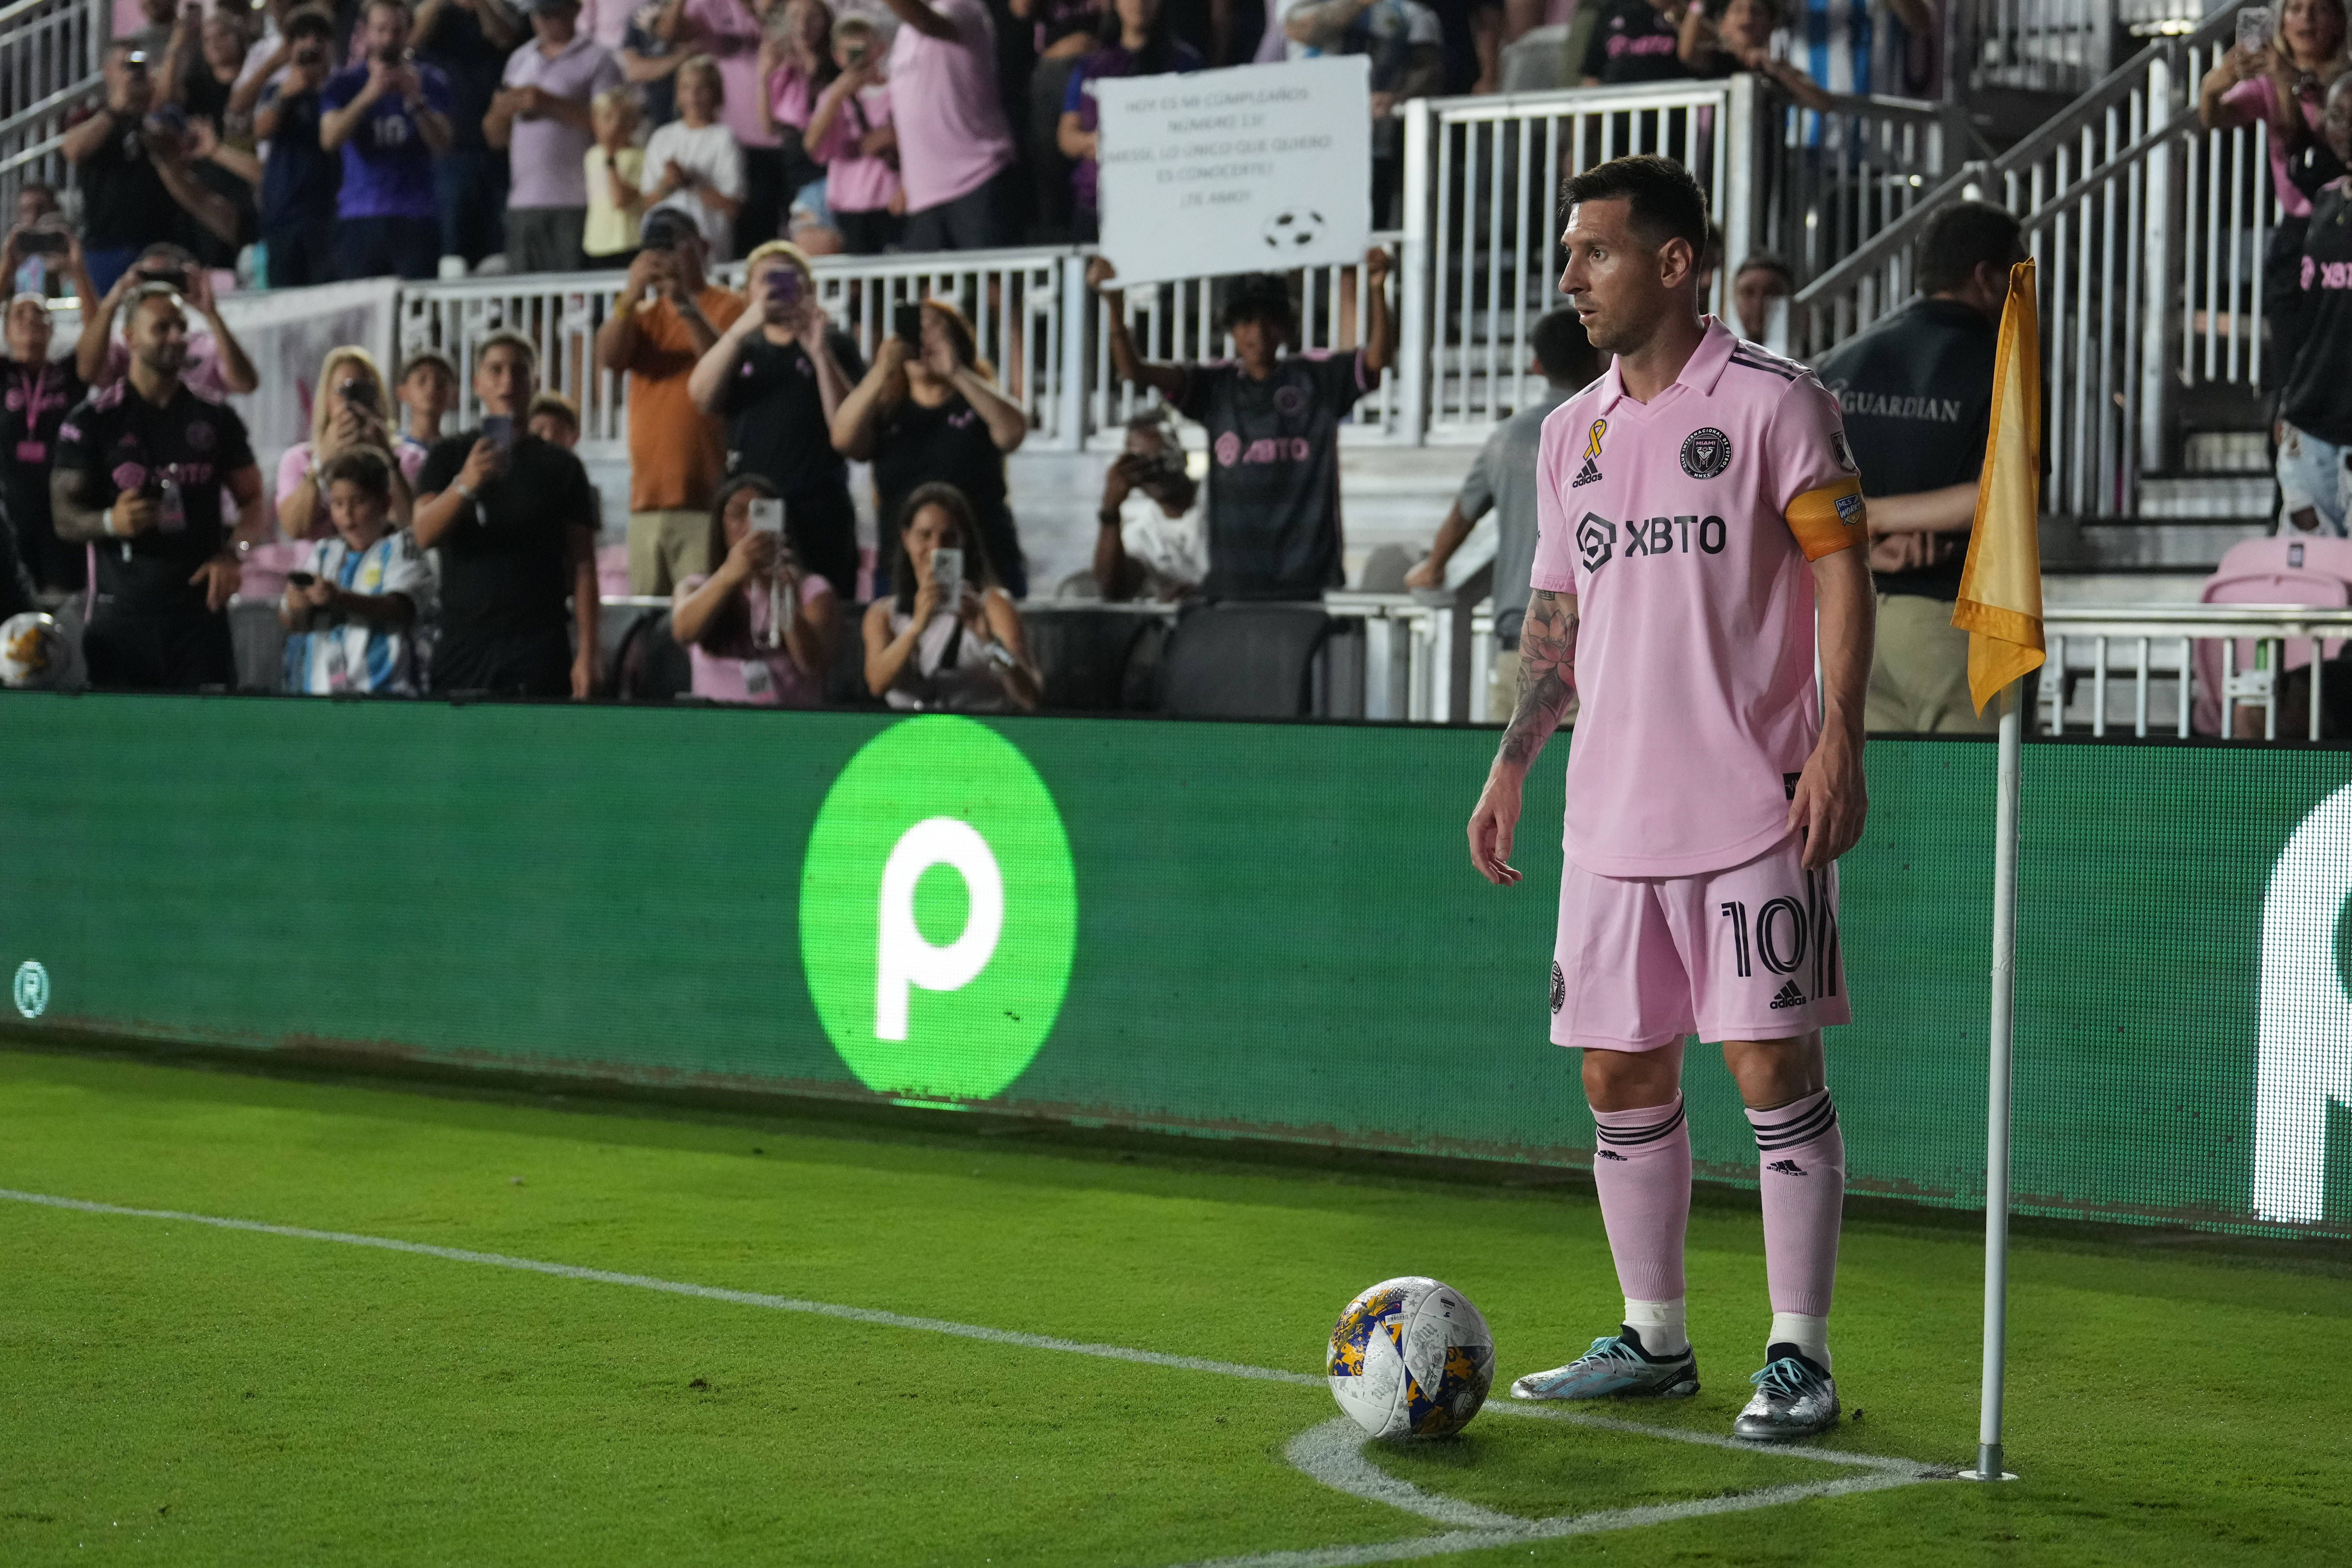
(1767, 1146)
(1630, 1136)
(1798, 1129)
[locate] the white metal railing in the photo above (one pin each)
(2149, 238)
(49, 54)
(2034, 45)
(2149, 669)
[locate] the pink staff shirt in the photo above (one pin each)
(1685, 528)
(952, 134)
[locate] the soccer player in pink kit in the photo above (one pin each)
(1696, 506)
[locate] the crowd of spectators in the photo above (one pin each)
(360, 138)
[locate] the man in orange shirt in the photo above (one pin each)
(667, 316)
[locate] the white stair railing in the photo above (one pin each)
(49, 55)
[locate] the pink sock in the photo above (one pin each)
(1802, 1156)
(1642, 1164)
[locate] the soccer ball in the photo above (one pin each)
(1292, 230)
(1411, 1357)
(33, 651)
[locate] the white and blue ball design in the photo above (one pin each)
(1411, 1357)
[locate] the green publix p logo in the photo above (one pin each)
(938, 911)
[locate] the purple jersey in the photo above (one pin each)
(387, 168)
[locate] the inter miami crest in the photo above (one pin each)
(1558, 987)
(1596, 540)
(1592, 469)
(1706, 453)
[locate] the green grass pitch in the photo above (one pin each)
(181, 1394)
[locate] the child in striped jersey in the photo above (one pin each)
(351, 607)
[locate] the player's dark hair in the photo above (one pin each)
(1959, 237)
(1563, 350)
(1665, 202)
(366, 467)
(977, 570)
(1261, 297)
(1765, 261)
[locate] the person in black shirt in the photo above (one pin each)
(516, 531)
(931, 414)
(778, 375)
(469, 41)
(1274, 432)
(38, 393)
(2316, 400)
(139, 470)
(1633, 40)
(299, 180)
(132, 168)
(1917, 391)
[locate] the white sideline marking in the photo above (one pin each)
(1332, 1453)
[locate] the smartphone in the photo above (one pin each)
(906, 324)
(947, 569)
(169, 119)
(2256, 26)
(42, 241)
(300, 579)
(310, 57)
(856, 53)
(784, 285)
(499, 430)
(767, 515)
(359, 392)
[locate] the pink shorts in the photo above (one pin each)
(1748, 954)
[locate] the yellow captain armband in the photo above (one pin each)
(1830, 519)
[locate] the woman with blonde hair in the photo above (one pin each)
(2283, 84)
(349, 408)
(930, 411)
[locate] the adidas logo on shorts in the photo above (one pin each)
(1790, 996)
(1786, 1167)
(1610, 1154)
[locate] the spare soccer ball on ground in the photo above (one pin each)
(1411, 1357)
(34, 651)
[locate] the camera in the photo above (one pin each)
(358, 391)
(310, 57)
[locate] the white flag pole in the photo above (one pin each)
(2004, 975)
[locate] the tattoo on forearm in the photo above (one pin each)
(1546, 674)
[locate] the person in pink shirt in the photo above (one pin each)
(729, 32)
(953, 147)
(727, 619)
(2282, 86)
(1695, 508)
(796, 65)
(849, 131)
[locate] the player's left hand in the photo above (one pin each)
(1831, 799)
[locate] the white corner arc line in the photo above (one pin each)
(1328, 1458)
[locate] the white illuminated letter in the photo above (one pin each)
(2306, 1041)
(903, 958)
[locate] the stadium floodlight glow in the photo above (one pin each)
(937, 911)
(2303, 1047)
(904, 957)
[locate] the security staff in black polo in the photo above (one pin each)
(1917, 391)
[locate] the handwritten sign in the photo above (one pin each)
(1257, 169)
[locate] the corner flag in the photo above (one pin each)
(2000, 588)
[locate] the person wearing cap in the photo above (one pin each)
(542, 118)
(1272, 422)
(668, 317)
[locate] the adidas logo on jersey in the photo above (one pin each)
(1790, 996)
(1590, 471)
(1786, 1167)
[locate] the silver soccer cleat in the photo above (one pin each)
(1614, 1369)
(1793, 1399)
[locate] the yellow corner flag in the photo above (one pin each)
(2000, 588)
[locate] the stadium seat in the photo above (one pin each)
(1083, 656)
(2280, 570)
(1244, 661)
(649, 666)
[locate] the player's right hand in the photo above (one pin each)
(1492, 825)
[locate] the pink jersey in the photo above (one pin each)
(1684, 527)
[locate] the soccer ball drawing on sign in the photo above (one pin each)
(1411, 1357)
(1293, 229)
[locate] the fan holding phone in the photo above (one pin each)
(776, 376)
(2278, 75)
(347, 413)
(758, 628)
(949, 636)
(930, 411)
